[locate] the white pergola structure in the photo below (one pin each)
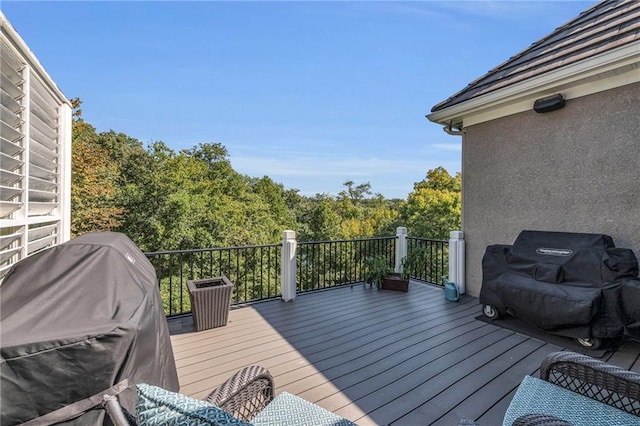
(35, 154)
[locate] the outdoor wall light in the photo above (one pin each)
(551, 103)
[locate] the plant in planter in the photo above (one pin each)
(376, 269)
(413, 262)
(395, 281)
(411, 265)
(378, 272)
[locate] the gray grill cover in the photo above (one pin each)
(76, 319)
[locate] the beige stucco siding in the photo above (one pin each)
(576, 169)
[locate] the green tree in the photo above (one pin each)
(362, 214)
(433, 208)
(355, 193)
(319, 219)
(193, 198)
(94, 186)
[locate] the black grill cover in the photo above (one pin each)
(558, 256)
(570, 284)
(76, 319)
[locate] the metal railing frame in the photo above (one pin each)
(257, 271)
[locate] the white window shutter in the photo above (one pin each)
(35, 154)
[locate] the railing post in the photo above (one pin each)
(288, 267)
(456, 259)
(401, 247)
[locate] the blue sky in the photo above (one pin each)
(309, 93)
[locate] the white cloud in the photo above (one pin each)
(325, 173)
(325, 170)
(449, 147)
(323, 165)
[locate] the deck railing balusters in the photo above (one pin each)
(321, 265)
(436, 264)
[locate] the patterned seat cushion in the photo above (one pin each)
(156, 406)
(539, 396)
(290, 410)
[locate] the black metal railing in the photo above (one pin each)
(254, 270)
(325, 264)
(436, 259)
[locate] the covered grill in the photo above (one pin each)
(77, 319)
(569, 284)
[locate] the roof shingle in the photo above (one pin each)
(608, 25)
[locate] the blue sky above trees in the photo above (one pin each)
(309, 93)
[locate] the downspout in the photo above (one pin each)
(448, 129)
(457, 273)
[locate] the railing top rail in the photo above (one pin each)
(261, 272)
(428, 239)
(191, 251)
(346, 241)
(158, 253)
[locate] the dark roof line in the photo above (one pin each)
(605, 26)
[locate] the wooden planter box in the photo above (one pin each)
(210, 301)
(394, 282)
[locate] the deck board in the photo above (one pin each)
(474, 405)
(374, 357)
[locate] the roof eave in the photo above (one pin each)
(615, 68)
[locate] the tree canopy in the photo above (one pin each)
(193, 198)
(434, 207)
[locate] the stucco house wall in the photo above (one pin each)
(576, 169)
(573, 169)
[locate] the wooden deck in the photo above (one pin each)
(374, 357)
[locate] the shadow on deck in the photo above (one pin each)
(374, 357)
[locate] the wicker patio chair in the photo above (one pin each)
(593, 378)
(243, 395)
(586, 378)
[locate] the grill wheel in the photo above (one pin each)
(590, 343)
(490, 312)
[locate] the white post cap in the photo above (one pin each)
(456, 235)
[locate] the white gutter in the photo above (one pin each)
(611, 69)
(448, 129)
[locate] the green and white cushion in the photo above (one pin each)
(291, 410)
(156, 406)
(539, 396)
